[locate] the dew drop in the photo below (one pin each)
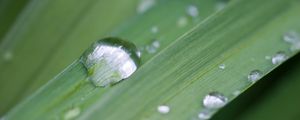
(214, 100)
(222, 66)
(279, 58)
(254, 75)
(154, 29)
(72, 113)
(145, 5)
(236, 93)
(205, 114)
(267, 57)
(163, 109)
(182, 21)
(292, 37)
(220, 5)
(152, 48)
(192, 10)
(7, 56)
(110, 60)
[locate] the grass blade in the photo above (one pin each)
(225, 40)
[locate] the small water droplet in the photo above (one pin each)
(110, 60)
(163, 109)
(254, 75)
(292, 37)
(267, 57)
(7, 56)
(214, 100)
(222, 66)
(145, 5)
(192, 10)
(182, 21)
(220, 5)
(205, 114)
(236, 93)
(279, 58)
(154, 29)
(152, 48)
(72, 113)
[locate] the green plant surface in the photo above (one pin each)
(268, 98)
(282, 100)
(93, 27)
(9, 10)
(52, 27)
(182, 73)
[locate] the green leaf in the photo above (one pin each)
(52, 30)
(182, 73)
(271, 98)
(43, 65)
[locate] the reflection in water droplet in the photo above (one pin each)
(254, 75)
(163, 109)
(152, 48)
(214, 100)
(154, 29)
(145, 5)
(139, 53)
(72, 113)
(222, 66)
(292, 37)
(279, 58)
(192, 10)
(182, 22)
(110, 60)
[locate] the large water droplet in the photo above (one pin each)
(279, 58)
(145, 5)
(214, 100)
(192, 10)
(110, 60)
(254, 75)
(72, 113)
(163, 109)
